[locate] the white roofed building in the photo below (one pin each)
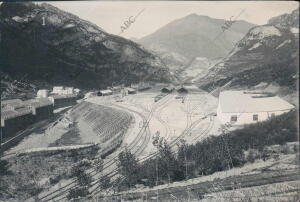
(130, 90)
(105, 92)
(61, 90)
(43, 93)
(68, 91)
(239, 107)
(57, 90)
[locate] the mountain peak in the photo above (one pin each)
(192, 15)
(197, 17)
(193, 36)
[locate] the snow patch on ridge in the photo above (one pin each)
(261, 32)
(256, 45)
(283, 43)
(19, 19)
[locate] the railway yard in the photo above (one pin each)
(113, 125)
(172, 118)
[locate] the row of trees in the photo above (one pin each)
(84, 179)
(216, 153)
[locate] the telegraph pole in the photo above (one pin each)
(1, 126)
(0, 141)
(186, 168)
(156, 167)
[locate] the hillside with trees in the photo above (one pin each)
(229, 150)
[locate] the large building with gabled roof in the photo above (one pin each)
(17, 115)
(241, 107)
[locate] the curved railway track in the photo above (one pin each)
(204, 132)
(93, 172)
(173, 143)
(158, 116)
(60, 194)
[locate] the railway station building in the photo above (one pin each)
(240, 107)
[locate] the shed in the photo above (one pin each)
(105, 92)
(182, 90)
(168, 89)
(239, 107)
(131, 90)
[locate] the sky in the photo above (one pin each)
(111, 15)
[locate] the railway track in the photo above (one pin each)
(215, 186)
(93, 172)
(158, 116)
(204, 132)
(27, 132)
(173, 143)
(155, 106)
(61, 193)
(166, 125)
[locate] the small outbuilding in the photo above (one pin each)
(105, 92)
(239, 107)
(168, 89)
(131, 91)
(182, 90)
